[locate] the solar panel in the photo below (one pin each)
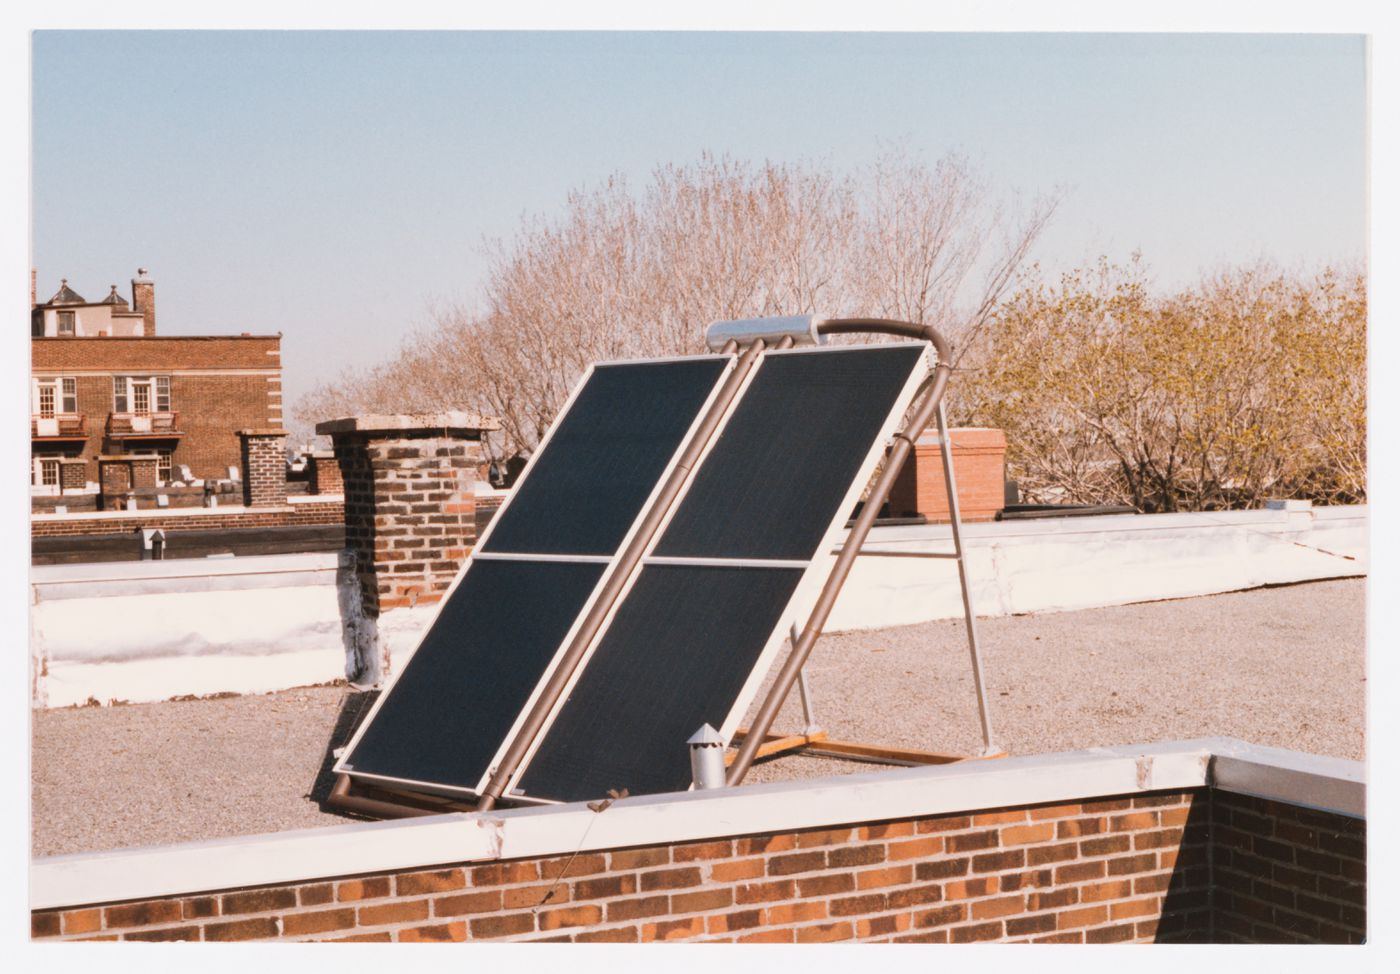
(501, 625)
(676, 656)
(457, 698)
(604, 457)
(710, 608)
(787, 457)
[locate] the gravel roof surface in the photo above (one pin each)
(1281, 666)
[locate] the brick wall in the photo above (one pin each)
(1285, 873)
(979, 465)
(136, 354)
(410, 515)
(1133, 868)
(324, 471)
(218, 385)
(143, 472)
(264, 461)
(314, 512)
(72, 475)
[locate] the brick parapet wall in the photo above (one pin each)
(122, 354)
(410, 515)
(264, 458)
(1136, 868)
(1284, 873)
(1097, 871)
(311, 512)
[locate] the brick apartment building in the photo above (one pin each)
(104, 383)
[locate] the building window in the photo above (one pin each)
(56, 395)
(67, 322)
(46, 473)
(141, 394)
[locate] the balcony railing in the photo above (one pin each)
(143, 424)
(63, 426)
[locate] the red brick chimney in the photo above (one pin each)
(143, 299)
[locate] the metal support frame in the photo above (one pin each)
(929, 409)
(809, 723)
(945, 449)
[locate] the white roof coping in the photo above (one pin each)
(309, 854)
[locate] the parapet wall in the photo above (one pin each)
(1110, 845)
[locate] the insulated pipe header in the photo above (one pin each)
(802, 329)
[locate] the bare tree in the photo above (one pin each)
(619, 275)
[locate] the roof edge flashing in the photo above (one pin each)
(802, 329)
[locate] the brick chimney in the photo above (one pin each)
(143, 299)
(410, 501)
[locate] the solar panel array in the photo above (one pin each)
(704, 615)
(499, 628)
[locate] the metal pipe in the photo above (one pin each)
(729, 346)
(899, 452)
(340, 797)
(627, 561)
(950, 484)
(809, 724)
(881, 553)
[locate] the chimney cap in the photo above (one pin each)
(142, 276)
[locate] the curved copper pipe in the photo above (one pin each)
(899, 452)
(340, 797)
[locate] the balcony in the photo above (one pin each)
(63, 426)
(147, 426)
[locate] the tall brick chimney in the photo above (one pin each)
(143, 299)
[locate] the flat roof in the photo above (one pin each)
(1281, 667)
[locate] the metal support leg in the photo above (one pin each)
(809, 725)
(946, 449)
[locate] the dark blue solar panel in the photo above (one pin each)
(786, 459)
(607, 454)
(451, 708)
(676, 656)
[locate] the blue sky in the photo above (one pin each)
(330, 185)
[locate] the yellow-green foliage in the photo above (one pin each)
(1248, 386)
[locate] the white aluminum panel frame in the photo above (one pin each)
(342, 767)
(805, 594)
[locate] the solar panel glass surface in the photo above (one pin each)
(605, 457)
(498, 630)
(785, 460)
(447, 714)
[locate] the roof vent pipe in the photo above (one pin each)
(706, 758)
